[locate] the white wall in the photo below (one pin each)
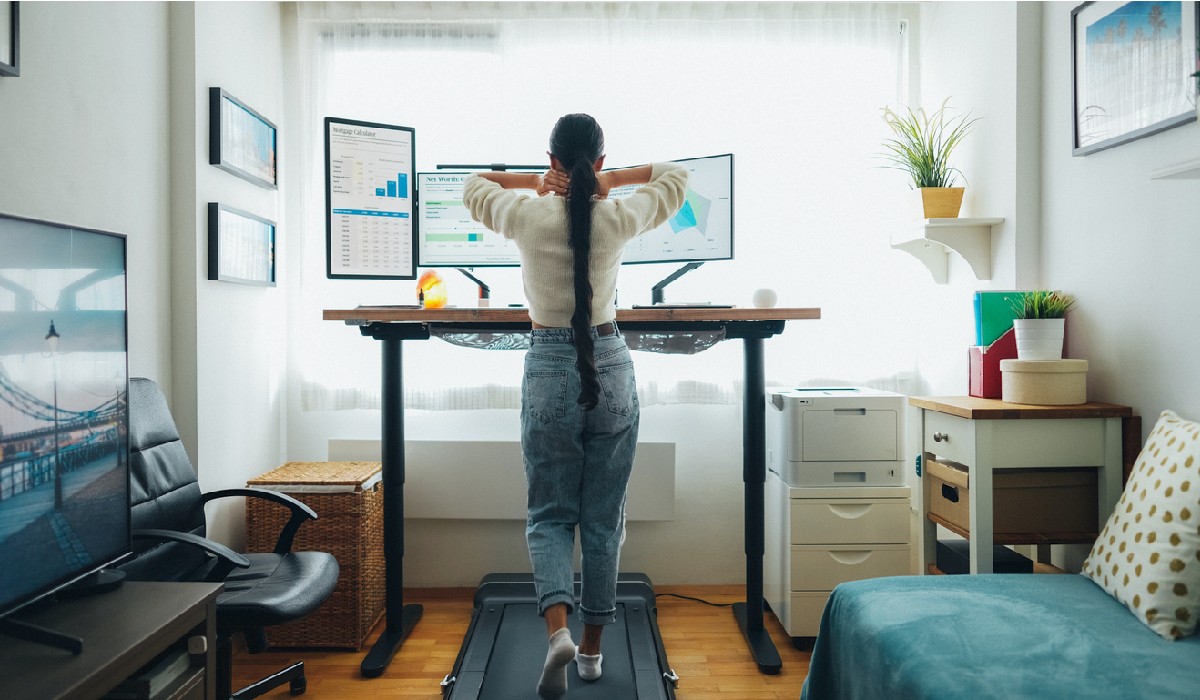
(107, 127)
(238, 354)
(84, 141)
(984, 57)
(1126, 245)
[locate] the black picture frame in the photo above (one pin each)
(1119, 104)
(241, 246)
(242, 141)
(10, 39)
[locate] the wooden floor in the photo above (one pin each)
(704, 646)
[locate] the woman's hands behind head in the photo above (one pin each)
(554, 182)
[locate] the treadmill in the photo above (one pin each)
(504, 648)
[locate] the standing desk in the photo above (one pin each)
(392, 325)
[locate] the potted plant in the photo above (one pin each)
(921, 145)
(1039, 322)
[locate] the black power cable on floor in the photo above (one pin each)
(698, 600)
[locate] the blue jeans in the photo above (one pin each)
(577, 466)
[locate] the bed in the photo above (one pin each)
(992, 636)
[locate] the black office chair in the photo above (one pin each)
(169, 544)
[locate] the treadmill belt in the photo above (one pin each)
(520, 652)
(505, 646)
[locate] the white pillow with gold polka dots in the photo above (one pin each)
(1148, 555)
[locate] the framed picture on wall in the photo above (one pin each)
(1131, 63)
(10, 38)
(241, 140)
(241, 246)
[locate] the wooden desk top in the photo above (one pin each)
(974, 408)
(385, 314)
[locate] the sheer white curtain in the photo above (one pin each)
(793, 90)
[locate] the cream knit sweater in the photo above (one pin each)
(538, 225)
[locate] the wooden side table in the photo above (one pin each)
(986, 434)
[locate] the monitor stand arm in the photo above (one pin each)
(40, 635)
(484, 290)
(656, 292)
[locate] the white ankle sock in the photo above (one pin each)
(588, 666)
(553, 683)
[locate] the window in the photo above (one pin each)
(795, 91)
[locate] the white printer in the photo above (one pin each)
(843, 436)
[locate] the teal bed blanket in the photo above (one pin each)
(992, 636)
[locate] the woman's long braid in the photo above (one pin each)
(583, 187)
(578, 142)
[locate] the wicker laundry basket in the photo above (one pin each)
(348, 500)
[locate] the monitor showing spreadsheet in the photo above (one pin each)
(370, 230)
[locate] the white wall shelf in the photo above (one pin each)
(1187, 170)
(932, 240)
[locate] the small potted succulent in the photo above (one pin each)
(1039, 322)
(921, 145)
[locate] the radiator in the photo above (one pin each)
(485, 480)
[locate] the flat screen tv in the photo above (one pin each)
(702, 230)
(64, 438)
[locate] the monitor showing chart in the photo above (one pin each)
(370, 230)
(701, 230)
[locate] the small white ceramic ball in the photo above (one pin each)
(764, 298)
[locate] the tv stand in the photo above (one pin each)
(122, 632)
(102, 581)
(40, 635)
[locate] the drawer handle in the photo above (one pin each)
(849, 511)
(950, 493)
(850, 558)
(941, 437)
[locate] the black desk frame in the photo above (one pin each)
(401, 618)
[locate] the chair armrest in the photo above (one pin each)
(300, 511)
(227, 559)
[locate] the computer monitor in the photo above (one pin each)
(702, 230)
(447, 236)
(64, 417)
(369, 200)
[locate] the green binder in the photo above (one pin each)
(993, 315)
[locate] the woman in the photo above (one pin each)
(579, 408)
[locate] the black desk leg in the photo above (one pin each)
(400, 618)
(754, 475)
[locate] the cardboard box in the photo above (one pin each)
(1044, 382)
(1024, 501)
(986, 380)
(348, 500)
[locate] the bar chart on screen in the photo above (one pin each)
(369, 221)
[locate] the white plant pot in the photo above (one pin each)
(1039, 338)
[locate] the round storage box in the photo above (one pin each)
(1044, 382)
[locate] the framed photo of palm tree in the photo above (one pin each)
(1131, 63)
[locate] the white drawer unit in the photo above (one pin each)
(817, 538)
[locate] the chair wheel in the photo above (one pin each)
(298, 685)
